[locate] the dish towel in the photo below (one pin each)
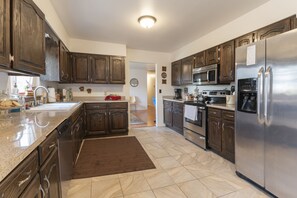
(191, 112)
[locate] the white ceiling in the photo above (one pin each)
(178, 21)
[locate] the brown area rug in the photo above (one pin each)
(111, 156)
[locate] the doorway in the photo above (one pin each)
(142, 95)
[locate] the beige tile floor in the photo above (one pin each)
(182, 170)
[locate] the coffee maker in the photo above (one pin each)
(177, 94)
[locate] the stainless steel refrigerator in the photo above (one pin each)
(266, 113)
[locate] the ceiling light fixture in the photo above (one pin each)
(147, 21)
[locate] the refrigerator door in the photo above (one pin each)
(249, 126)
(281, 126)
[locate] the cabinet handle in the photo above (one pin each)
(48, 184)
(105, 114)
(42, 191)
(52, 145)
(26, 179)
(223, 126)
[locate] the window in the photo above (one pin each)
(23, 82)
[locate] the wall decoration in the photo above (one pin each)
(134, 82)
(164, 81)
(163, 68)
(164, 75)
(81, 88)
(89, 91)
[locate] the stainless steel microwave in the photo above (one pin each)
(207, 75)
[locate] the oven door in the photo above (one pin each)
(199, 125)
(205, 75)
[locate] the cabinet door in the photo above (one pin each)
(168, 113)
(200, 59)
(50, 176)
(65, 67)
(176, 73)
(227, 66)
(228, 145)
(117, 70)
(211, 56)
(274, 29)
(215, 133)
(33, 189)
(245, 40)
(28, 37)
(178, 117)
(187, 70)
(5, 33)
(97, 122)
(118, 121)
(81, 68)
(99, 69)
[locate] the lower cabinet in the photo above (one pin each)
(221, 133)
(104, 119)
(174, 115)
(33, 190)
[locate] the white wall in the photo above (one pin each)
(151, 84)
(140, 73)
(160, 59)
(270, 12)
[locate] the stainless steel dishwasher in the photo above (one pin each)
(65, 144)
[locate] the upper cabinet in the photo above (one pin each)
(99, 69)
(200, 59)
(28, 41)
(245, 39)
(117, 70)
(64, 64)
(176, 73)
(211, 56)
(227, 62)
(5, 33)
(187, 70)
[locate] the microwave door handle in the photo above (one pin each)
(260, 95)
(207, 76)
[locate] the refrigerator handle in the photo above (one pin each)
(260, 95)
(268, 76)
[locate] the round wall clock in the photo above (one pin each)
(134, 82)
(164, 75)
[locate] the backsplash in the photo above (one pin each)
(3, 81)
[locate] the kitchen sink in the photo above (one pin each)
(54, 107)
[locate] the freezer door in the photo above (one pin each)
(281, 129)
(249, 126)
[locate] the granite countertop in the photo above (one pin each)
(21, 133)
(96, 99)
(222, 106)
(171, 98)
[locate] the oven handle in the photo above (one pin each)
(207, 75)
(201, 108)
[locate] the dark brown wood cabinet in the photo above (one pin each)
(176, 73)
(227, 62)
(64, 64)
(211, 56)
(81, 68)
(5, 33)
(99, 69)
(117, 70)
(28, 41)
(174, 115)
(245, 39)
(200, 59)
(221, 135)
(104, 119)
(33, 190)
(187, 70)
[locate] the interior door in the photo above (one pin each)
(281, 128)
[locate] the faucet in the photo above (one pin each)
(35, 91)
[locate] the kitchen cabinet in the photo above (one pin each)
(187, 70)
(117, 70)
(81, 69)
(99, 69)
(64, 64)
(33, 189)
(28, 30)
(245, 39)
(200, 59)
(227, 62)
(174, 115)
(5, 33)
(105, 119)
(221, 138)
(176, 73)
(212, 55)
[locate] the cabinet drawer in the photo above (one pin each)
(94, 106)
(228, 115)
(118, 105)
(19, 178)
(47, 147)
(214, 112)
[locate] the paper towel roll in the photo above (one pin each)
(51, 95)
